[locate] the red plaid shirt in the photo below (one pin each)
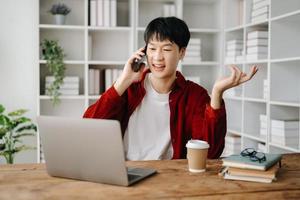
(191, 116)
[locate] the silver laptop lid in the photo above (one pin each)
(84, 149)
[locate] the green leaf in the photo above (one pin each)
(1, 108)
(17, 112)
(5, 121)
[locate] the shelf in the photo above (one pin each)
(285, 60)
(62, 27)
(103, 28)
(281, 103)
(284, 147)
(202, 30)
(255, 100)
(94, 97)
(234, 132)
(256, 138)
(285, 16)
(76, 97)
(261, 23)
(72, 62)
(237, 28)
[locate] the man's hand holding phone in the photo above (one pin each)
(132, 72)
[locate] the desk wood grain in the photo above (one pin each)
(173, 181)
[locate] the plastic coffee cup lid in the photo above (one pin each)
(197, 144)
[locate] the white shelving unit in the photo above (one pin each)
(214, 22)
(281, 69)
(112, 46)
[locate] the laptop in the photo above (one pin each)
(88, 150)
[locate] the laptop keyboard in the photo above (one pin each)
(133, 176)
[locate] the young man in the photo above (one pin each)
(158, 109)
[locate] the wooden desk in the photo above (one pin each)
(173, 181)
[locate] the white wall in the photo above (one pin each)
(19, 61)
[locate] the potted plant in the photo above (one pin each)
(14, 126)
(54, 56)
(60, 12)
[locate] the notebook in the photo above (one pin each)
(87, 149)
(245, 162)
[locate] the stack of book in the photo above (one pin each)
(169, 10)
(285, 132)
(193, 51)
(266, 89)
(234, 51)
(70, 85)
(260, 10)
(263, 126)
(103, 12)
(257, 45)
(232, 145)
(237, 167)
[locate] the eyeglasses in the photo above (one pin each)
(254, 155)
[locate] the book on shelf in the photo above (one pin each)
(103, 12)
(257, 50)
(260, 18)
(235, 47)
(96, 81)
(260, 4)
(169, 9)
(260, 11)
(93, 12)
(257, 34)
(99, 12)
(285, 124)
(240, 161)
(66, 86)
(257, 42)
(91, 82)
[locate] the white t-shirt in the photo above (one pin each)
(148, 136)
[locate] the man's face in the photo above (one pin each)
(163, 57)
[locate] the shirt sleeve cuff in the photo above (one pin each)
(215, 113)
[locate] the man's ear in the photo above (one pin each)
(182, 52)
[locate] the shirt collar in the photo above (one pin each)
(179, 81)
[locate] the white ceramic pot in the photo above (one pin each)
(60, 19)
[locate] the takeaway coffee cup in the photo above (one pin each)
(196, 155)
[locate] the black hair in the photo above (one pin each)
(171, 28)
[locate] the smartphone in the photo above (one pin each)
(137, 63)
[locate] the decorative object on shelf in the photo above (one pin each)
(13, 126)
(60, 12)
(54, 56)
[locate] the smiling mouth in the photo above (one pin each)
(157, 67)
